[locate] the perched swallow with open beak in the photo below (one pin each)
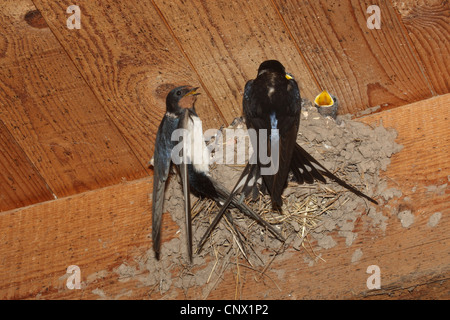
(192, 164)
(271, 106)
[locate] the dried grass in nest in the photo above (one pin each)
(302, 210)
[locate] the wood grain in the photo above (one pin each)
(128, 57)
(53, 115)
(425, 136)
(428, 27)
(20, 183)
(363, 68)
(99, 230)
(227, 40)
(407, 258)
(96, 231)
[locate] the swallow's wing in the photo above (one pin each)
(161, 164)
(286, 120)
(247, 106)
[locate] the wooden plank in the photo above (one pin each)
(407, 258)
(362, 67)
(51, 112)
(227, 40)
(20, 183)
(428, 27)
(98, 231)
(424, 129)
(128, 57)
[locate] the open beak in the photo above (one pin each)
(193, 92)
(324, 99)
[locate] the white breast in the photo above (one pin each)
(197, 153)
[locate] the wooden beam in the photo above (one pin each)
(423, 129)
(363, 67)
(51, 112)
(20, 183)
(428, 29)
(96, 231)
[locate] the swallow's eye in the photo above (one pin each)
(178, 93)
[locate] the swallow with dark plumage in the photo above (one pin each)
(271, 105)
(192, 162)
(272, 101)
(173, 119)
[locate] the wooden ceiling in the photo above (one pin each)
(79, 108)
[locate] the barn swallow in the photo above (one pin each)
(162, 160)
(272, 102)
(192, 162)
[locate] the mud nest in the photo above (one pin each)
(353, 151)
